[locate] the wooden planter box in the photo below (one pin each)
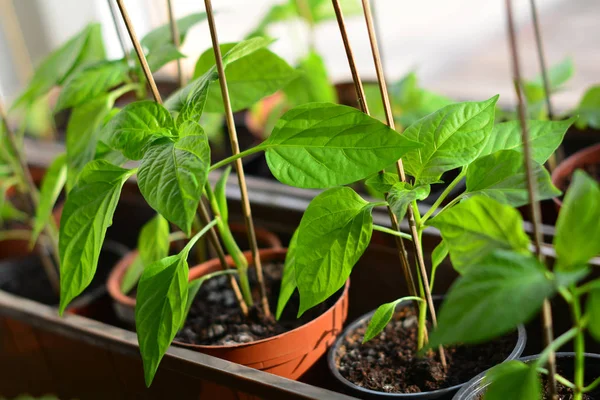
(77, 357)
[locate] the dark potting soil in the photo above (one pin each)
(389, 362)
(215, 317)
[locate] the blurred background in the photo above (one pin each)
(456, 47)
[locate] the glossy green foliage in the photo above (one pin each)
(504, 290)
(545, 137)
(577, 237)
(402, 194)
(83, 48)
(513, 380)
(334, 232)
(90, 82)
(476, 227)
(383, 315)
(588, 109)
(164, 55)
(288, 280)
(320, 145)
(85, 218)
(452, 137)
(52, 184)
(502, 176)
(382, 183)
(172, 176)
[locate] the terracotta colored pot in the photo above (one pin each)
(289, 354)
(566, 168)
(124, 305)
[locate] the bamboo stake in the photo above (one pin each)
(176, 43)
(203, 212)
(32, 200)
(400, 168)
(139, 52)
(120, 35)
(558, 154)
(362, 102)
(235, 148)
(534, 204)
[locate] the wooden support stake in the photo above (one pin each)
(120, 35)
(235, 149)
(531, 181)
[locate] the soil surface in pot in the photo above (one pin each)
(389, 363)
(216, 319)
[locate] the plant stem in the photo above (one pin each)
(443, 196)
(236, 157)
(32, 202)
(175, 38)
(235, 149)
(139, 52)
(534, 204)
(592, 385)
(203, 212)
(391, 232)
(362, 102)
(15, 234)
(579, 346)
(559, 378)
(556, 344)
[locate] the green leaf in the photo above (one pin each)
(312, 85)
(136, 126)
(577, 237)
(162, 56)
(383, 316)
(90, 82)
(277, 13)
(513, 380)
(593, 310)
(589, 109)
(172, 177)
(52, 184)
(502, 176)
(249, 79)
(132, 275)
(87, 214)
(320, 145)
(438, 255)
(153, 242)
(382, 183)
(190, 100)
(506, 289)
(221, 194)
(402, 194)
(288, 280)
(86, 46)
(453, 137)
(334, 232)
(476, 227)
(8, 212)
(558, 75)
(83, 132)
(545, 137)
(161, 305)
(158, 37)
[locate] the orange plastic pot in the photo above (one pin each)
(564, 170)
(289, 354)
(124, 305)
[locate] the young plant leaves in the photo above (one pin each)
(320, 145)
(545, 137)
(312, 85)
(438, 255)
(91, 82)
(503, 291)
(558, 75)
(593, 310)
(476, 227)
(161, 36)
(162, 56)
(334, 232)
(502, 176)
(161, 305)
(52, 185)
(513, 380)
(383, 316)
(382, 183)
(288, 281)
(136, 126)
(589, 109)
(577, 236)
(452, 137)
(402, 194)
(84, 47)
(87, 214)
(172, 176)
(153, 243)
(249, 78)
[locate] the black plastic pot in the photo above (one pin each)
(475, 388)
(363, 393)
